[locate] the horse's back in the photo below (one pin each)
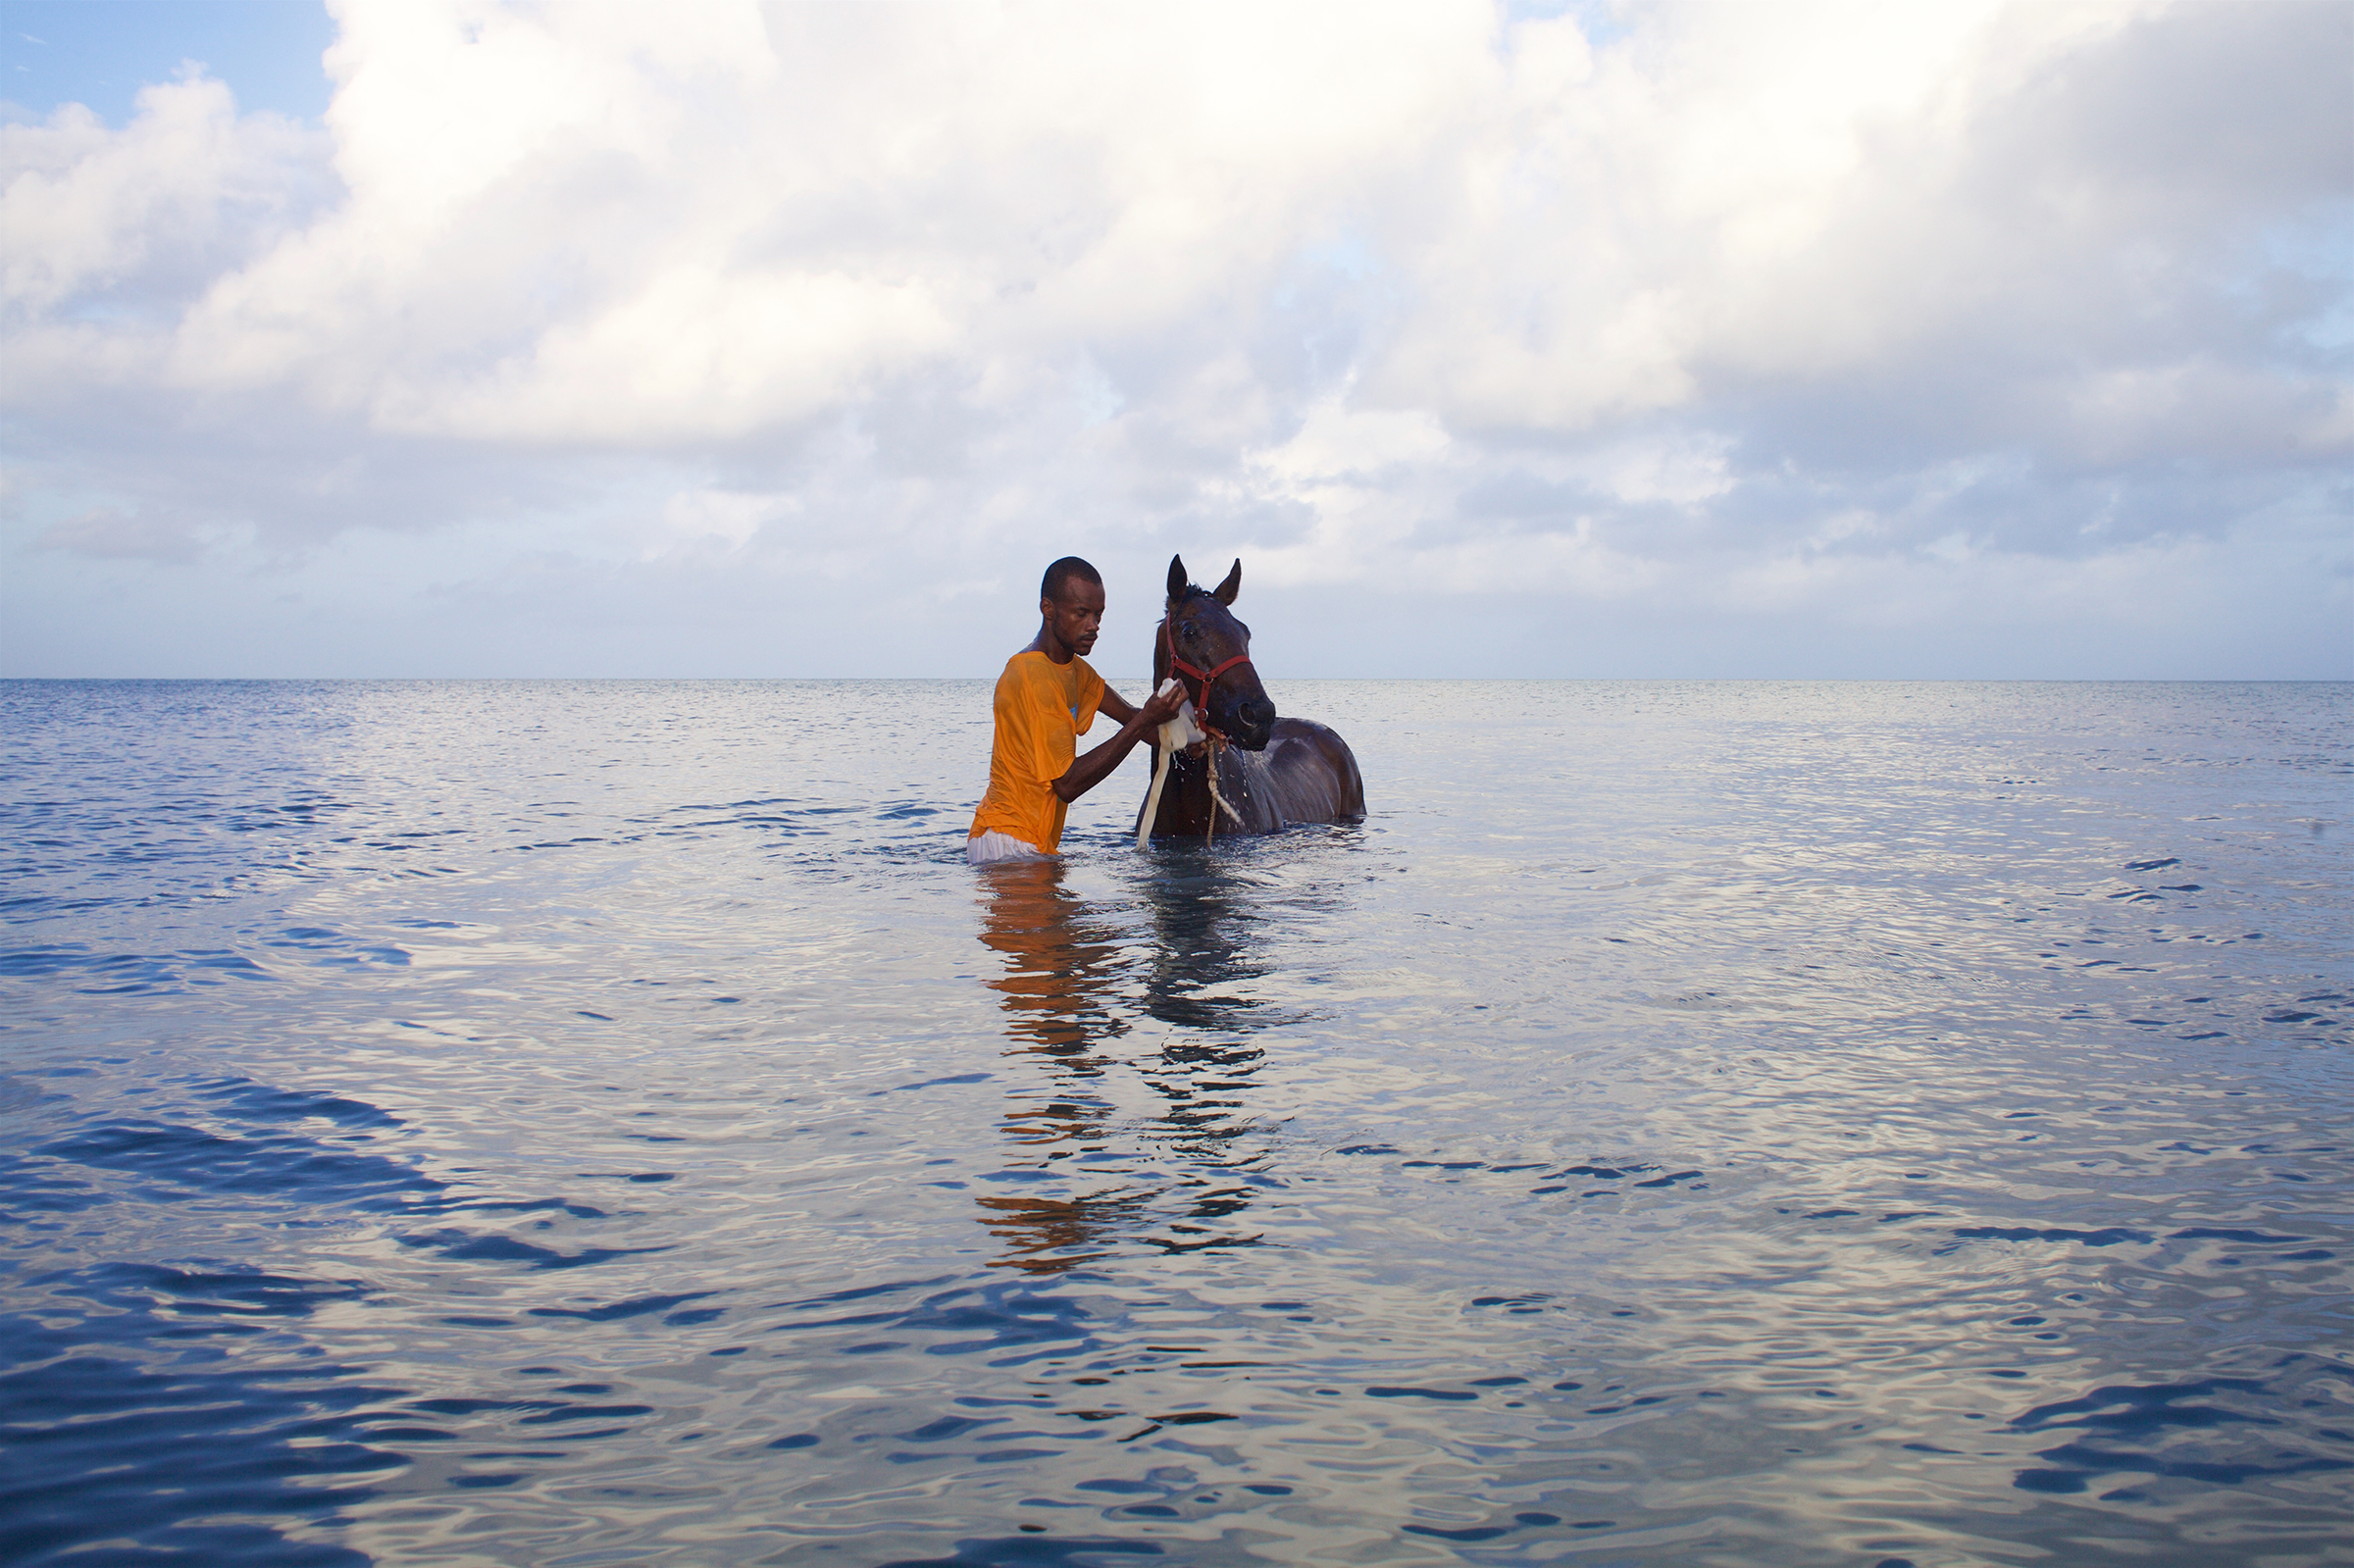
(1305, 774)
(1312, 774)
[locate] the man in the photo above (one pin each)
(1047, 699)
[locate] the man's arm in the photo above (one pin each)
(1121, 711)
(1095, 766)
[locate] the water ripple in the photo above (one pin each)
(1684, 1123)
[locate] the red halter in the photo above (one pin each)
(1205, 676)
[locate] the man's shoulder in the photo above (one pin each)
(1024, 666)
(1029, 674)
(1032, 667)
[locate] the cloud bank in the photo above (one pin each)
(729, 338)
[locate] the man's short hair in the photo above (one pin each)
(1050, 586)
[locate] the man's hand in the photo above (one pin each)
(1160, 707)
(1137, 723)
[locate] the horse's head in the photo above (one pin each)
(1201, 642)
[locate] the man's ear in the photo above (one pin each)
(1232, 585)
(1177, 581)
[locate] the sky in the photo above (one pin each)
(457, 338)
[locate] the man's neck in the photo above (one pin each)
(1046, 643)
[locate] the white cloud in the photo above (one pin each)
(1749, 306)
(105, 533)
(142, 216)
(728, 518)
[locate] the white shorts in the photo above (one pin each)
(992, 848)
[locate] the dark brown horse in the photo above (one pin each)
(1272, 773)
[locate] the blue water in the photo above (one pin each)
(1711, 1122)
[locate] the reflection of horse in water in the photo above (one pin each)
(1203, 964)
(1257, 773)
(1071, 1185)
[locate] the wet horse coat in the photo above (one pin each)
(1273, 772)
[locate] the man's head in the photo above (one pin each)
(1070, 597)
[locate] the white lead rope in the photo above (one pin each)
(1176, 734)
(1178, 731)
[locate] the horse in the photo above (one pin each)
(1267, 772)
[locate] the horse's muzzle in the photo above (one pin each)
(1253, 722)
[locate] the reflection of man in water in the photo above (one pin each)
(1047, 699)
(1081, 1174)
(1056, 986)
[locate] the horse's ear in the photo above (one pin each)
(1177, 581)
(1233, 585)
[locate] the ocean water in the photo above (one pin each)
(599, 1123)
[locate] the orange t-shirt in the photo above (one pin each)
(1042, 708)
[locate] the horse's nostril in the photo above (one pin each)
(1256, 713)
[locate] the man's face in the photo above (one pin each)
(1076, 614)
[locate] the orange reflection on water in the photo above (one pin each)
(1056, 988)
